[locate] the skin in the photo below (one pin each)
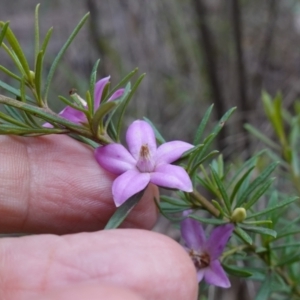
(52, 186)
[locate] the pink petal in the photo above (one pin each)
(73, 115)
(140, 133)
(173, 177)
(218, 239)
(114, 158)
(215, 275)
(200, 274)
(99, 87)
(171, 151)
(128, 184)
(117, 94)
(193, 234)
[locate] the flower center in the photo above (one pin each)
(200, 261)
(145, 162)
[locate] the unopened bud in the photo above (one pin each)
(239, 215)
(32, 76)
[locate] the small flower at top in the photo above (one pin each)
(79, 117)
(205, 253)
(143, 163)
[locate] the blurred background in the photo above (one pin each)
(194, 52)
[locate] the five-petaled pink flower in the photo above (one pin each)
(79, 117)
(205, 253)
(143, 163)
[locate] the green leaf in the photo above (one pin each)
(92, 87)
(265, 289)
(222, 190)
(256, 183)
(125, 104)
(36, 33)
(239, 183)
(236, 271)
(11, 120)
(286, 245)
(260, 222)
(60, 54)
(38, 76)
(259, 193)
(202, 160)
(289, 259)
(217, 205)
(261, 137)
(14, 91)
(46, 40)
(9, 129)
(223, 120)
(202, 125)
(123, 211)
(101, 112)
(158, 136)
(3, 32)
(12, 40)
(261, 230)
(174, 201)
(9, 73)
(123, 82)
(209, 220)
(69, 103)
(269, 209)
(243, 235)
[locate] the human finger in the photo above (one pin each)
(54, 184)
(147, 263)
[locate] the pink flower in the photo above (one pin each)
(79, 117)
(143, 163)
(205, 253)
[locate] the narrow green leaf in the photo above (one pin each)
(123, 82)
(239, 183)
(14, 91)
(173, 201)
(223, 120)
(217, 205)
(243, 235)
(93, 79)
(158, 136)
(46, 40)
(265, 289)
(12, 40)
(123, 211)
(9, 73)
(209, 220)
(125, 104)
(36, 33)
(261, 230)
(261, 137)
(261, 191)
(202, 160)
(260, 222)
(3, 32)
(236, 271)
(269, 209)
(11, 120)
(9, 129)
(60, 54)
(222, 190)
(69, 103)
(101, 112)
(289, 259)
(38, 76)
(257, 182)
(248, 164)
(282, 234)
(202, 125)
(286, 246)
